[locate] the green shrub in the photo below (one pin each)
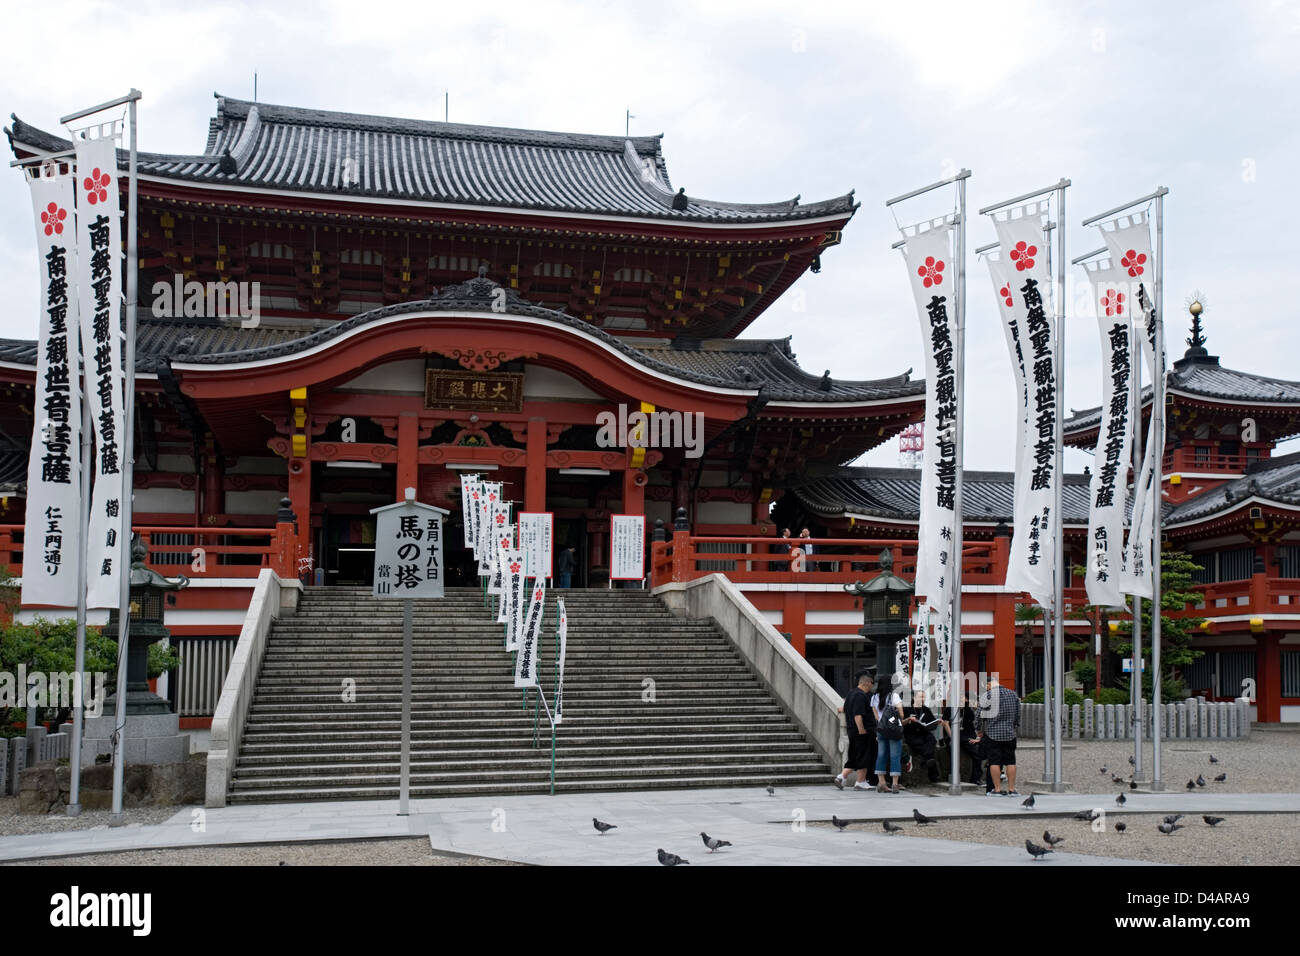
(1085, 672)
(1110, 695)
(1070, 697)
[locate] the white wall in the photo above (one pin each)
(177, 500)
(723, 512)
(542, 383)
(405, 376)
(253, 502)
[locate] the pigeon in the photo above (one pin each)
(1103, 770)
(771, 790)
(1213, 821)
(839, 824)
(1028, 802)
(1220, 778)
(1130, 761)
(1132, 785)
(1115, 779)
(711, 843)
(890, 827)
(1191, 784)
(1213, 759)
(1035, 850)
(1121, 800)
(1088, 815)
(1121, 826)
(1173, 818)
(602, 827)
(921, 819)
(1051, 840)
(671, 859)
(1200, 780)
(1168, 828)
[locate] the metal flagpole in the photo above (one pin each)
(1157, 464)
(404, 785)
(79, 667)
(1062, 571)
(1135, 675)
(1048, 700)
(959, 387)
(128, 442)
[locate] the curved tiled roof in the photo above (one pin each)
(1204, 377)
(264, 146)
(746, 365)
(1277, 479)
(895, 493)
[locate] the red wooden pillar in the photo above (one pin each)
(300, 469)
(1268, 678)
(1000, 656)
(284, 558)
(214, 480)
(634, 482)
(408, 454)
(794, 620)
(535, 471)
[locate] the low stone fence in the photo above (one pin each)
(1195, 718)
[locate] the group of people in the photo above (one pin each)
(879, 725)
(802, 550)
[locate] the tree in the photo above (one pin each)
(1176, 651)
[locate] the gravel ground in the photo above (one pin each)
(395, 852)
(1262, 839)
(13, 823)
(1266, 762)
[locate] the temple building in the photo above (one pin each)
(429, 299)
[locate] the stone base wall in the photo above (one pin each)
(45, 787)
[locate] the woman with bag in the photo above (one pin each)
(889, 739)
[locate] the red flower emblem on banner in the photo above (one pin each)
(1023, 256)
(932, 272)
(53, 217)
(515, 567)
(96, 186)
(501, 519)
(1005, 292)
(505, 542)
(1112, 301)
(537, 595)
(1134, 262)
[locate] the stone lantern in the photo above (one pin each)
(886, 617)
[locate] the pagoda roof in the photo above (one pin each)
(1202, 377)
(734, 364)
(262, 146)
(1273, 481)
(894, 494)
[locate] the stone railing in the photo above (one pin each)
(1189, 719)
(804, 696)
(272, 597)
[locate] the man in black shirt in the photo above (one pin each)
(861, 725)
(969, 741)
(918, 733)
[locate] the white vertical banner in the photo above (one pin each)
(1033, 544)
(489, 494)
(512, 566)
(530, 639)
(504, 545)
(562, 637)
(1128, 242)
(1016, 348)
(53, 519)
(468, 485)
(99, 280)
(626, 547)
(930, 267)
(1108, 486)
(537, 542)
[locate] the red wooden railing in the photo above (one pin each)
(200, 553)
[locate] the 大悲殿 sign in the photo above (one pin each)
(408, 550)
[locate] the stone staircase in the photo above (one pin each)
(710, 723)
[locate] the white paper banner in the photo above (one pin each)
(537, 541)
(1108, 487)
(99, 280)
(1033, 544)
(53, 520)
(468, 485)
(504, 545)
(626, 547)
(562, 635)
(1016, 348)
(530, 639)
(512, 598)
(929, 265)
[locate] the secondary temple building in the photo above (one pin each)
(436, 298)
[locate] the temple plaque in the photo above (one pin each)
(463, 390)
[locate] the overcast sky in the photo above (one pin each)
(759, 102)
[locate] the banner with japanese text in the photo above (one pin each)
(468, 499)
(626, 547)
(537, 542)
(1032, 562)
(408, 551)
(530, 639)
(1024, 448)
(504, 544)
(53, 519)
(99, 282)
(1108, 486)
(929, 259)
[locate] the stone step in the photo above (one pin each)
(468, 733)
(625, 746)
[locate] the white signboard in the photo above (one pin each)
(562, 633)
(537, 542)
(626, 547)
(408, 550)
